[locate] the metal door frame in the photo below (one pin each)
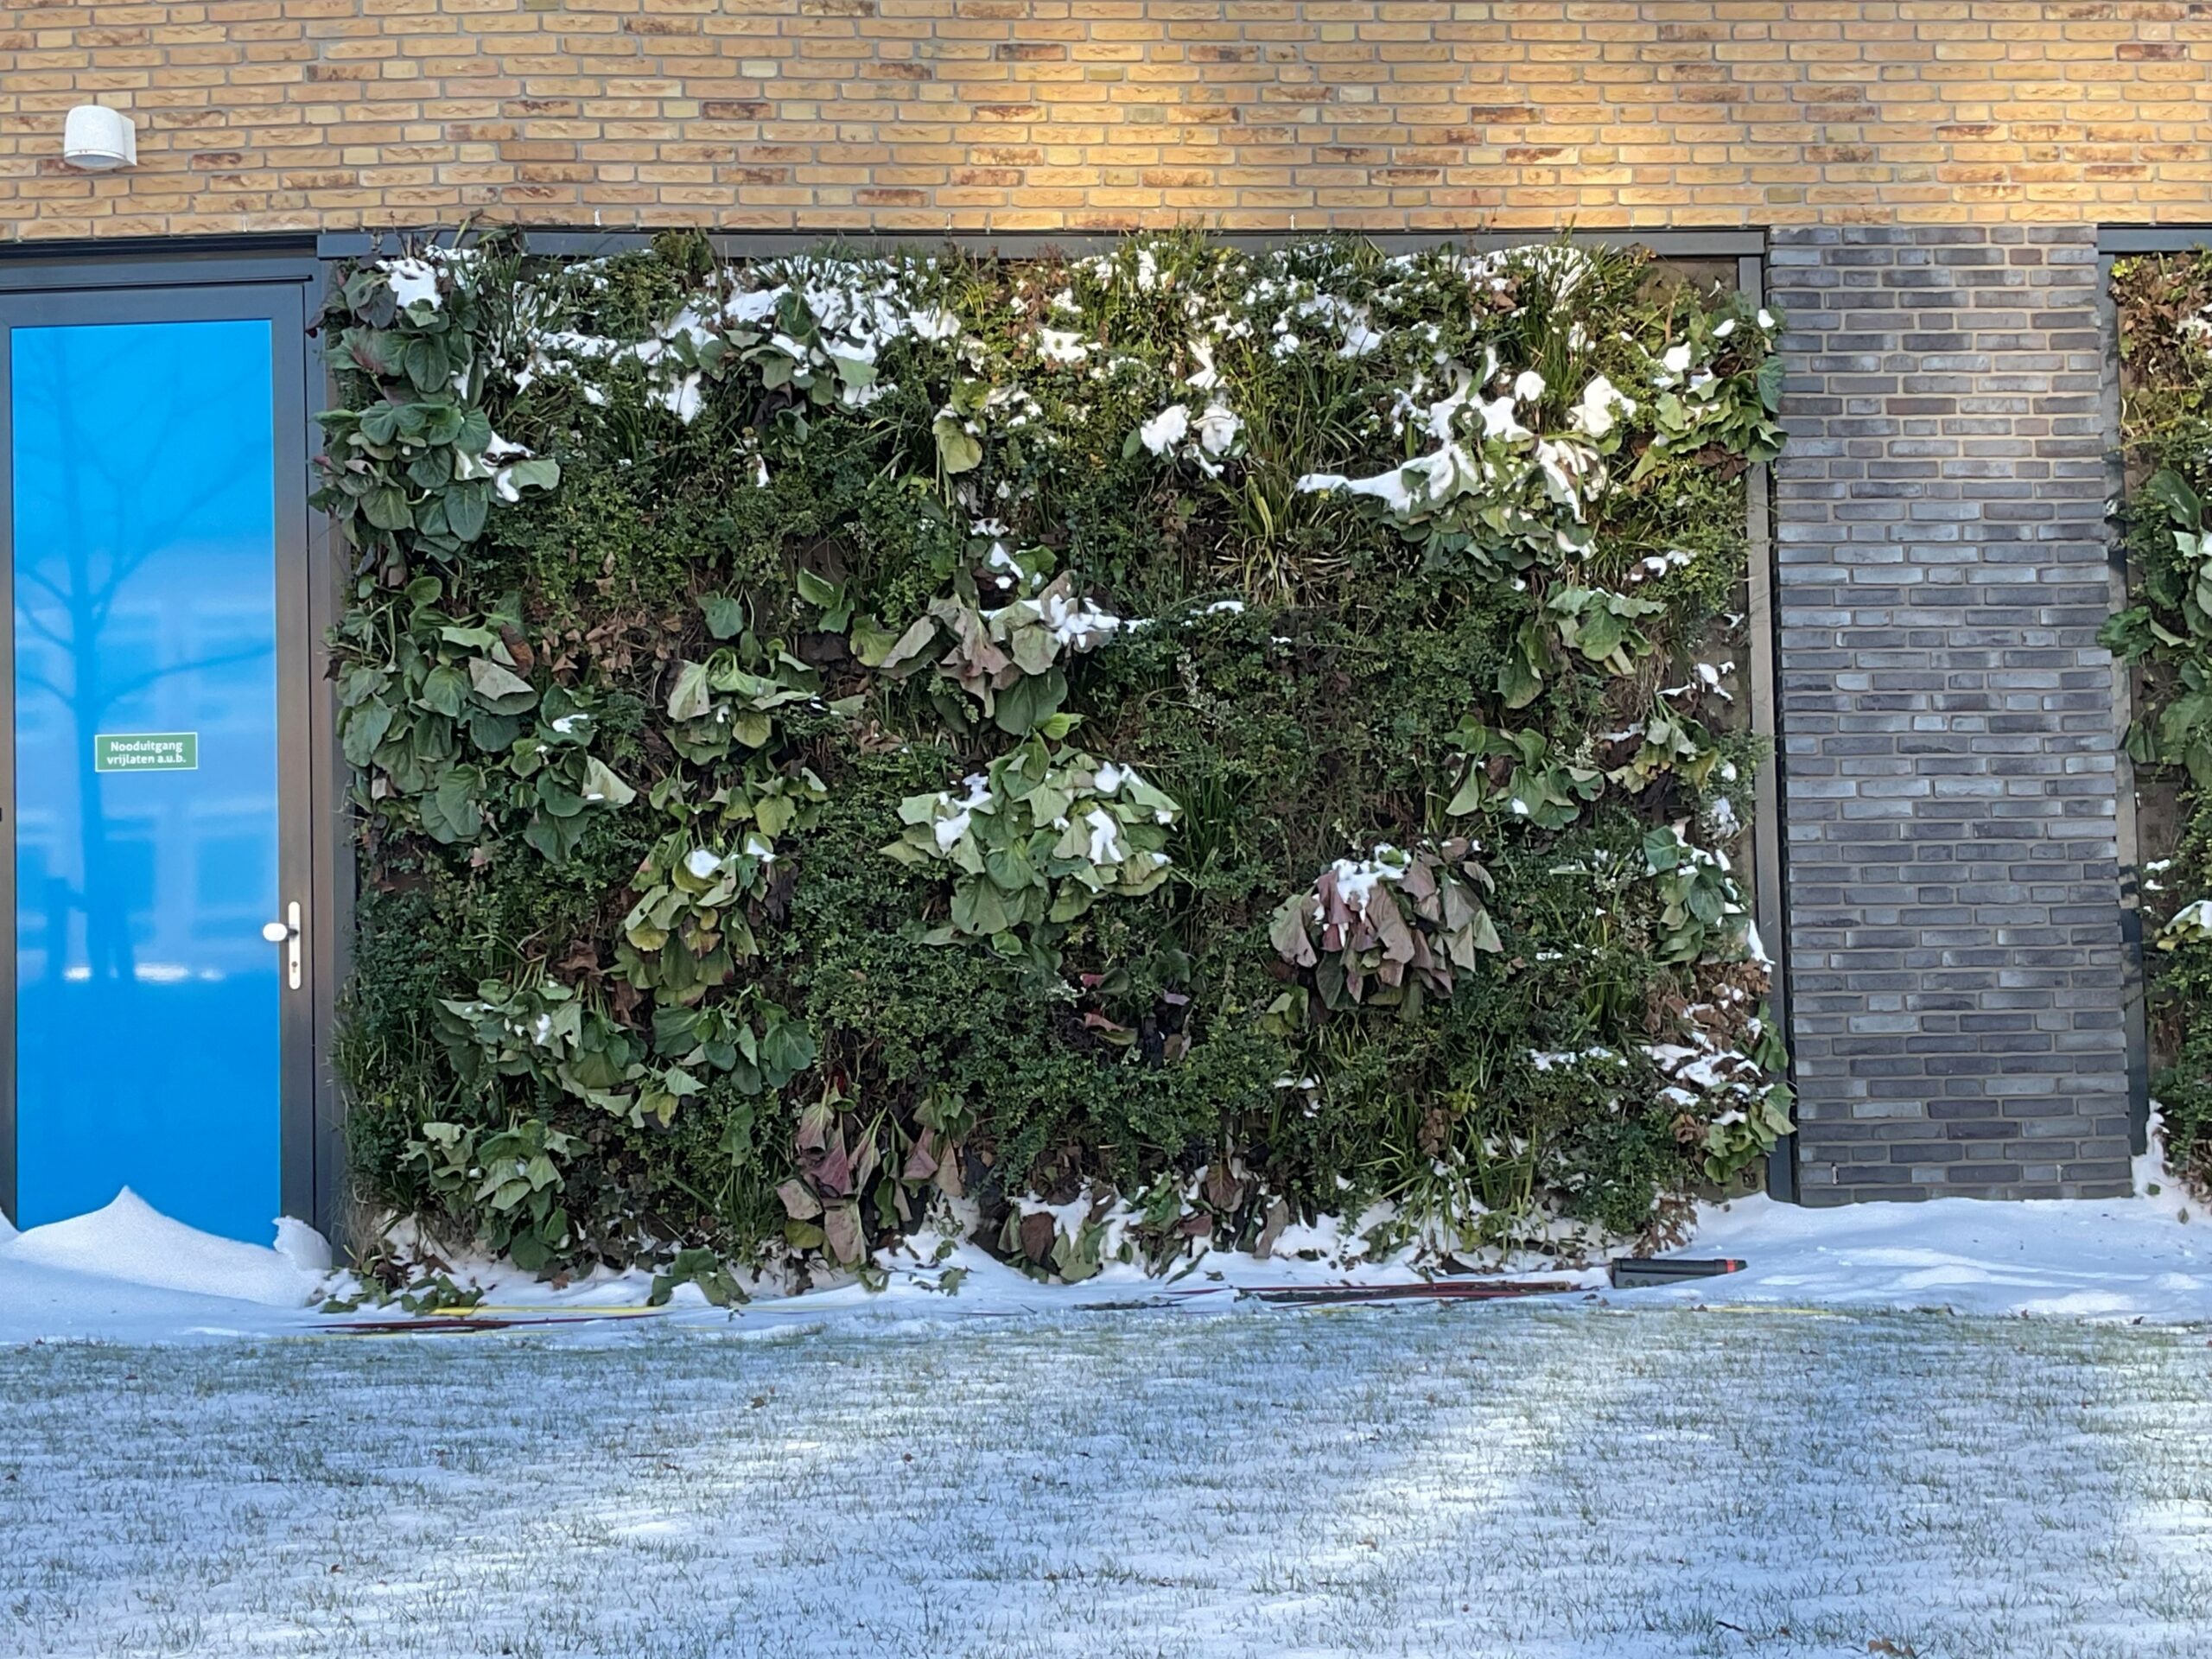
(282, 286)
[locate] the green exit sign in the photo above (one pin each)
(146, 751)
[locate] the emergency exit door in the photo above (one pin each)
(155, 814)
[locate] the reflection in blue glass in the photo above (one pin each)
(147, 1003)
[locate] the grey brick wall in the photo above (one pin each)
(1948, 716)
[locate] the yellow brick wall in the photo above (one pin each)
(924, 115)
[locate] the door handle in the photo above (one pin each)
(287, 933)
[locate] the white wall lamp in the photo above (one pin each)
(98, 139)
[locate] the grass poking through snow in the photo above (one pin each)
(1471, 1482)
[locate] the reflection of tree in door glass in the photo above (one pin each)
(147, 1003)
(134, 510)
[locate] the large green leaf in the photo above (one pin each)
(2172, 491)
(539, 473)
(601, 784)
(1021, 708)
(725, 616)
(957, 450)
(451, 812)
(978, 907)
(467, 506)
(504, 689)
(386, 506)
(364, 731)
(444, 689)
(689, 697)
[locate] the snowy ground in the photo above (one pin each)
(1789, 1460)
(126, 1273)
(1512, 1479)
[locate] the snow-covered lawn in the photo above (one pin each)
(1806, 1457)
(1572, 1477)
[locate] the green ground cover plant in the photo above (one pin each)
(1098, 755)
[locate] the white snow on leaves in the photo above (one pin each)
(1599, 406)
(414, 281)
(1165, 429)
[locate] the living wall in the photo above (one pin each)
(1096, 754)
(2165, 307)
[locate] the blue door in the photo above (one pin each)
(144, 508)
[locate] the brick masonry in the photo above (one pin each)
(1025, 115)
(1949, 715)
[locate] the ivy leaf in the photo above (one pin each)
(556, 798)
(1008, 866)
(550, 839)
(905, 654)
(1769, 383)
(905, 853)
(786, 1049)
(1468, 797)
(2181, 720)
(440, 423)
(871, 642)
(430, 515)
(494, 734)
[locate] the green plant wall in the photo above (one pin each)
(1201, 740)
(2164, 308)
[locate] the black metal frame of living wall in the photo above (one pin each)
(125, 263)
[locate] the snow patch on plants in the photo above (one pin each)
(414, 281)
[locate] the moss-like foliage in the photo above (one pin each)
(841, 742)
(2165, 307)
